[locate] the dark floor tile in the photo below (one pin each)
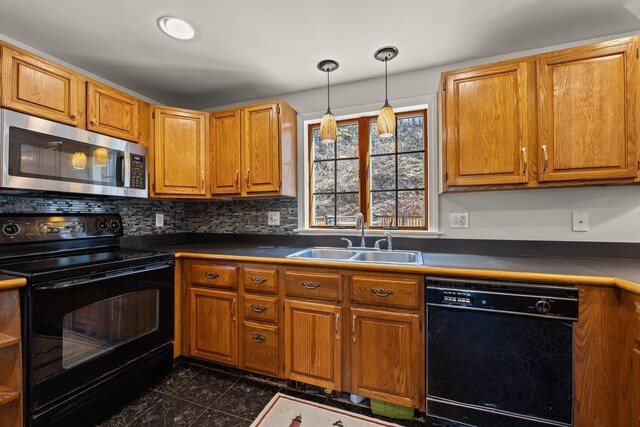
(206, 387)
(136, 408)
(245, 399)
(169, 412)
(213, 418)
(178, 379)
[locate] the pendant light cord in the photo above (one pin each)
(328, 98)
(386, 96)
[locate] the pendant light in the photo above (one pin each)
(328, 124)
(386, 117)
(79, 160)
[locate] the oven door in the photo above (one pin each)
(81, 331)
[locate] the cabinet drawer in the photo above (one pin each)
(313, 285)
(261, 308)
(260, 280)
(261, 348)
(223, 276)
(387, 291)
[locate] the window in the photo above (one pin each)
(384, 178)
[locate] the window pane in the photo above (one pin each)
(383, 173)
(323, 177)
(323, 210)
(410, 133)
(348, 207)
(383, 209)
(321, 150)
(347, 139)
(411, 171)
(380, 145)
(347, 175)
(411, 208)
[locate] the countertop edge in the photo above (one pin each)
(14, 283)
(442, 271)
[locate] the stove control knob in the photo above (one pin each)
(543, 306)
(102, 225)
(115, 225)
(10, 230)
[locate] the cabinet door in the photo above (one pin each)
(586, 99)
(385, 363)
(39, 87)
(214, 328)
(312, 343)
(261, 148)
(260, 348)
(489, 124)
(225, 152)
(112, 112)
(180, 152)
(635, 388)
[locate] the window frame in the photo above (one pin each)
(364, 170)
(435, 185)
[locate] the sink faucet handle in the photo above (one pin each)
(376, 245)
(349, 243)
(389, 241)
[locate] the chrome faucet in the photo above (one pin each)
(389, 240)
(363, 226)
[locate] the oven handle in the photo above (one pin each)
(71, 284)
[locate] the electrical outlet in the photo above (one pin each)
(581, 221)
(273, 218)
(459, 220)
(159, 220)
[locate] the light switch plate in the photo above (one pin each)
(273, 218)
(581, 221)
(159, 220)
(459, 220)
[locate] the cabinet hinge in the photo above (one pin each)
(153, 115)
(279, 183)
(637, 53)
(444, 86)
(446, 176)
(278, 109)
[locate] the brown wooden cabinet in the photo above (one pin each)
(384, 361)
(112, 112)
(490, 124)
(214, 325)
(39, 87)
(313, 343)
(635, 388)
(10, 360)
(179, 153)
(254, 150)
(587, 107)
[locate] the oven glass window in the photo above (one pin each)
(38, 155)
(102, 326)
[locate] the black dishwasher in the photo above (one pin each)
(500, 353)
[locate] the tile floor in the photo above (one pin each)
(194, 395)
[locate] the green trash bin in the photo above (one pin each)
(391, 410)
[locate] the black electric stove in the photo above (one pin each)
(97, 318)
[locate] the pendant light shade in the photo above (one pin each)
(328, 125)
(79, 160)
(386, 117)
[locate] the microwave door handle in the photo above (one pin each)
(120, 170)
(66, 284)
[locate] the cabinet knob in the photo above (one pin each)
(311, 285)
(259, 280)
(259, 338)
(94, 122)
(258, 308)
(247, 178)
(382, 292)
(238, 178)
(211, 275)
(75, 116)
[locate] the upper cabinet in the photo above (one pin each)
(557, 119)
(253, 150)
(179, 153)
(586, 106)
(112, 112)
(39, 87)
(490, 124)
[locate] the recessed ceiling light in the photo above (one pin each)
(176, 28)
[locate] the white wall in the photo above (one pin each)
(544, 214)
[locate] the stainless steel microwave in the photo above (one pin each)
(38, 154)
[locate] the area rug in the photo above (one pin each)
(287, 411)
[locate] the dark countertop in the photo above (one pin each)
(604, 271)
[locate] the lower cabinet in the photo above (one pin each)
(214, 328)
(260, 348)
(635, 388)
(312, 343)
(384, 355)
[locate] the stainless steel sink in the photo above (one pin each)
(360, 256)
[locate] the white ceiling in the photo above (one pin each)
(248, 49)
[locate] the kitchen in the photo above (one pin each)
(485, 186)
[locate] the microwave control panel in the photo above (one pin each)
(138, 172)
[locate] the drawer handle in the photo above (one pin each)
(258, 308)
(311, 285)
(259, 338)
(382, 292)
(258, 280)
(211, 275)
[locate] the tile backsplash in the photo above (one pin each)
(138, 215)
